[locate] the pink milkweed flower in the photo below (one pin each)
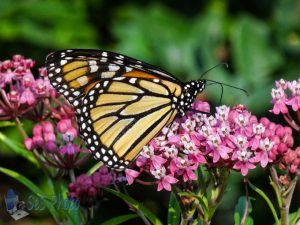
(28, 144)
(157, 161)
(49, 136)
(210, 121)
(170, 151)
(204, 132)
(263, 156)
(245, 161)
(217, 149)
(27, 97)
(164, 181)
(281, 84)
(184, 167)
(241, 142)
(242, 119)
(131, 175)
(70, 149)
(63, 125)
(201, 106)
(70, 134)
(189, 125)
(258, 130)
(147, 151)
(47, 127)
(222, 112)
(294, 101)
(279, 100)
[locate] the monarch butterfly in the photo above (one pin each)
(121, 103)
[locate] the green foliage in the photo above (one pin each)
(47, 23)
(268, 201)
(119, 219)
(173, 211)
(136, 206)
(240, 210)
(17, 148)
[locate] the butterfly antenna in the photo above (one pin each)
(220, 64)
(227, 85)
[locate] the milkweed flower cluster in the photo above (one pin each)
(286, 93)
(57, 144)
(232, 138)
(20, 90)
(286, 101)
(87, 189)
(55, 135)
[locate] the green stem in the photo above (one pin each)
(218, 192)
(183, 210)
(184, 221)
(286, 197)
(72, 175)
(265, 197)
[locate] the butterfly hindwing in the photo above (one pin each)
(122, 115)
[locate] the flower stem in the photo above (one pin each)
(288, 118)
(72, 175)
(184, 221)
(284, 195)
(247, 202)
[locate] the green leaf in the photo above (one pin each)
(119, 219)
(136, 205)
(294, 217)
(173, 211)
(265, 197)
(17, 148)
(7, 124)
(94, 168)
(35, 189)
(240, 210)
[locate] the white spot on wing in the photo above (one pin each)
(63, 62)
(93, 68)
(82, 80)
(132, 80)
(107, 74)
(113, 67)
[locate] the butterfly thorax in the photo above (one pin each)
(190, 91)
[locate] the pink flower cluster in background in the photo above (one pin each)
(231, 138)
(286, 93)
(88, 188)
(291, 161)
(55, 134)
(20, 90)
(58, 143)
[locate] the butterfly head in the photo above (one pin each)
(190, 91)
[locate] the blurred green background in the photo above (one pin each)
(260, 40)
